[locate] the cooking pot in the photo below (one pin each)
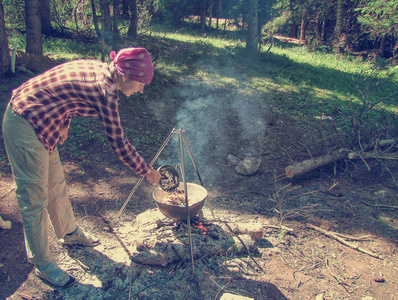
(196, 195)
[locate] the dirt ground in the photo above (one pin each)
(295, 261)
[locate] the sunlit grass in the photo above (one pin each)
(321, 59)
(308, 75)
(311, 77)
(71, 49)
(298, 81)
(204, 39)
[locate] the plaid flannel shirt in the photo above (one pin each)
(79, 88)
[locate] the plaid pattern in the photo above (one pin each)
(79, 88)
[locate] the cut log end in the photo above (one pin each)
(289, 172)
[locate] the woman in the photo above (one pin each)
(38, 118)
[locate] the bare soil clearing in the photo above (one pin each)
(301, 263)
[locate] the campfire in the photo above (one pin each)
(159, 241)
(177, 231)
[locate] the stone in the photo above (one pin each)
(229, 296)
(5, 224)
(254, 229)
(233, 159)
(248, 166)
(320, 297)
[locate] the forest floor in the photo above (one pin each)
(291, 262)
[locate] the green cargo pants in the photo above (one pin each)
(40, 187)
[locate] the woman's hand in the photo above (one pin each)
(153, 176)
(64, 135)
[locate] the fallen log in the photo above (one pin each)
(316, 162)
(378, 155)
(386, 143)
(33, 62)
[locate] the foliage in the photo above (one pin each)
(309, 83)
(74, 14)
(368, 120)
(14, 13)
(275, 25)
(175, 11)
(306, 83)
(379, 17)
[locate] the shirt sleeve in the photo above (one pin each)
(108, 112)
(68, 121)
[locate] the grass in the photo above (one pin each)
(303, 82)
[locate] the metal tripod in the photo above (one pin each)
(182, 140)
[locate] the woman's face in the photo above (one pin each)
(129, 86)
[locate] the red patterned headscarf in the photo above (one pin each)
(134, 63)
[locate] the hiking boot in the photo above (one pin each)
(79, 238)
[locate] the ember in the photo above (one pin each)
(200, 226)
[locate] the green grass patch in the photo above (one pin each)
(303, 83)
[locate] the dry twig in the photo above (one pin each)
(380, 205)
(342, 241)
(338, 279)
(83, 266)
(279, 227)
(112, 231)
(222, 289)
(9, 192)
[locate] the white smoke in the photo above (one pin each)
(219, 109)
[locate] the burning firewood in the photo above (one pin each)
(163, 245)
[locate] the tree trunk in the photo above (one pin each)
(339, 18)
(106, 21)
(351, 26)
(303, 27)
(95, 20)
(294, 25)
(125, 8)
(116, 16)
(383, 44)
(203, 16)
(323, 32)
(133, 26)
(46, 17)
(219, 10)
(320, 30)
(395, 53)
(252, 29)
(34, 43)
(5, 59)
(293, 30)
(210, 12)
(341, 39)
